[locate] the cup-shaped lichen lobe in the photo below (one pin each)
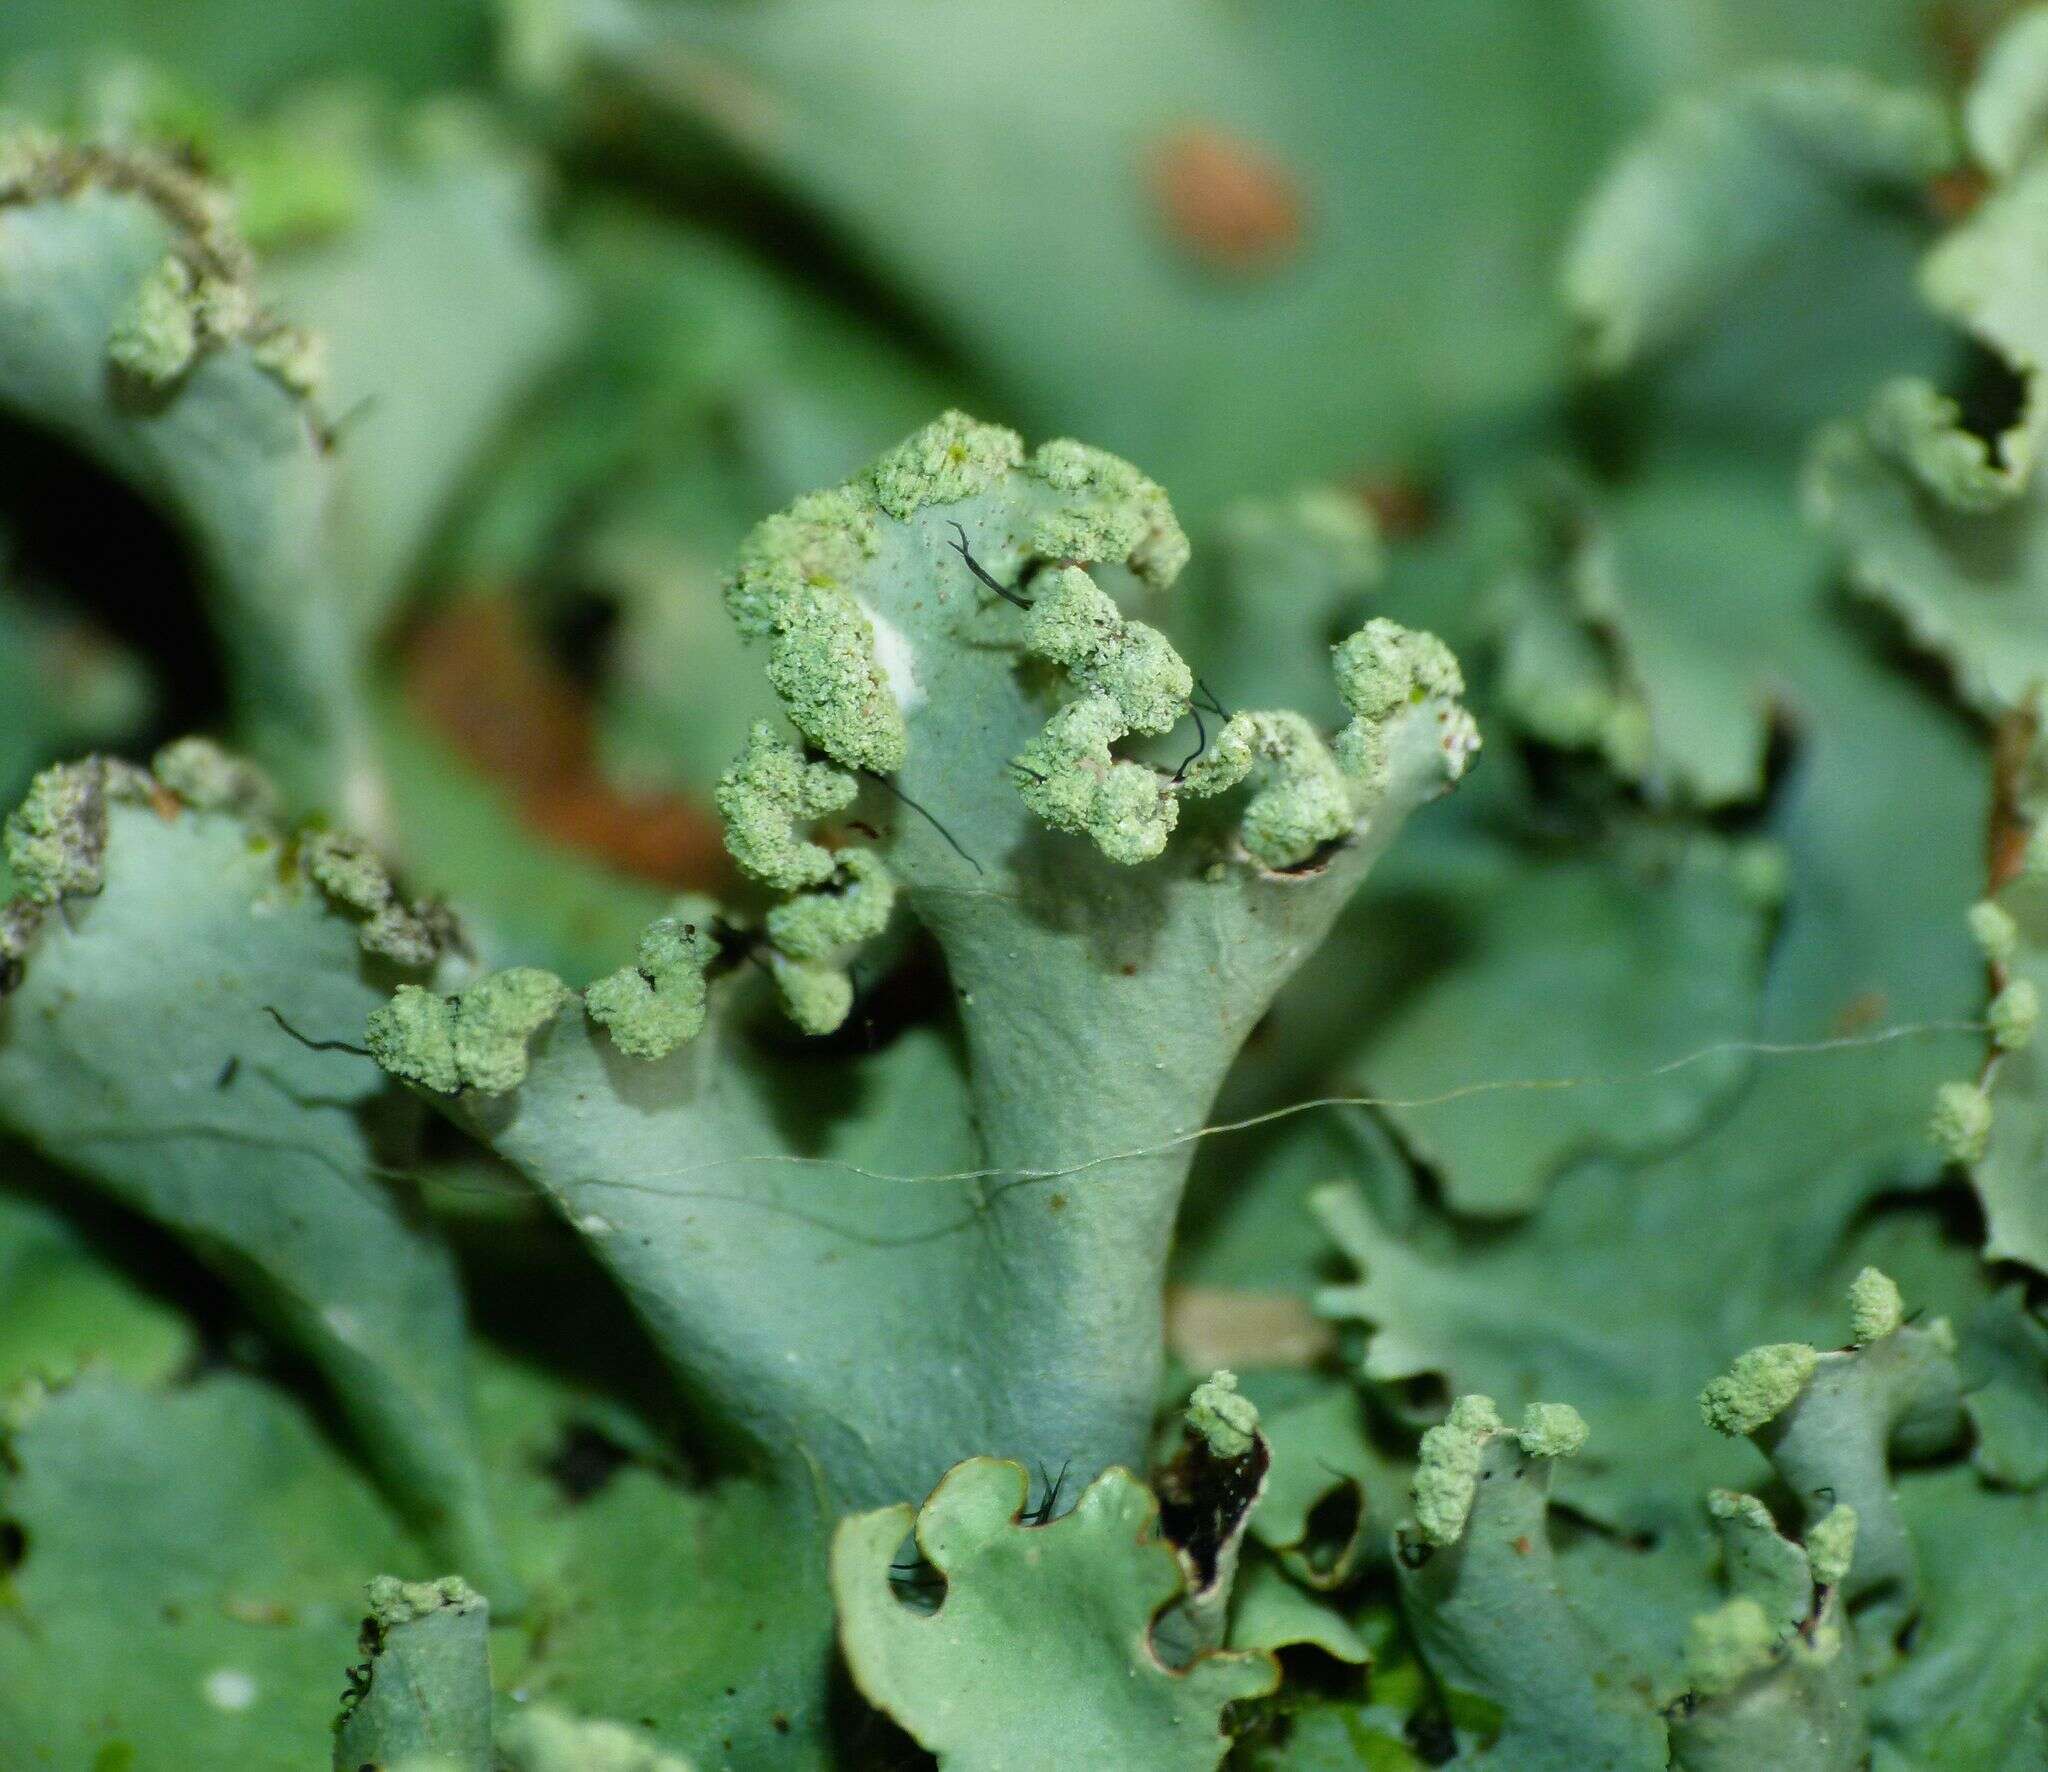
(990, 583)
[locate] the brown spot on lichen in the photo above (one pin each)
(1862, 1011)
(1953, 195)
(1522, 1546)
(2012, 750)
(476, 676)
(1058, 1203)
(1224, 201)
(1402, 506)
(164, 803)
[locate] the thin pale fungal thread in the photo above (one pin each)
(1008, 1178)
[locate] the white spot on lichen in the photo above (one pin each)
(594, 1224)
(896, 656)
(229, 1689)
(344, 1323)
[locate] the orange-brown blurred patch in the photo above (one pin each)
(1863, 1011)
(1225, 201)
(475, 675)
(1954, 195)
(1402, 507)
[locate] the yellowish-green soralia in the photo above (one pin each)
(475, 1039)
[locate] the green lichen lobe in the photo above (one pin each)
(658, 1003)
(1447, 1472)
(476, 1039)
(56, 839)
(2014, 1015)
(157, 336)
(1996, 934)
(1875, 1307)
(818, 544)
(539, 1738)
(1110, 511)
(855, 908)
(817, 998)
(1130, 679)
(200, 295)
(210, 779)
(394, 1603)
(1831, 1544)
(952, 458)
(1068, 777)
(1551, 1430)
(1383, 669)
(1223, 1418)
(1076, 625)
(355, 880)
(1726, 1646)
(1961, 1122)
(765, 796)
(1758, 1387)
(1302, 802)
(791, 587)
(823, 666)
